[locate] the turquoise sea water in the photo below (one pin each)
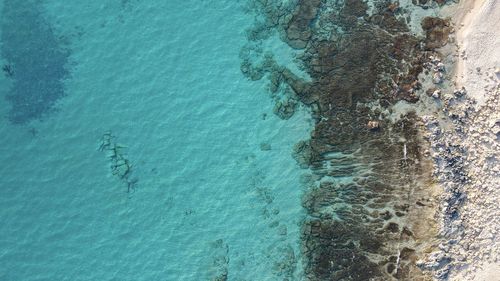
(164, 78)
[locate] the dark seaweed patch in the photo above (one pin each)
(36, 61)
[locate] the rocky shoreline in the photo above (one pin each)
(465, 146)
(371, 201)
(401, 157)
(466, 165)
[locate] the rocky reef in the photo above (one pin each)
(120, 165)
(371, 211)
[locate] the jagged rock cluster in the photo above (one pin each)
(120, 165)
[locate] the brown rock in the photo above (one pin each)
(373, 125)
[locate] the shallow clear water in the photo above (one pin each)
(165, 79)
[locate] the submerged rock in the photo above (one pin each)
(285, 109)
(437, 32)
(120, 165)
(265, 146)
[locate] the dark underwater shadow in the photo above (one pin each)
(35, 61)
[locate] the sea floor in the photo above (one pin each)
(211, 189)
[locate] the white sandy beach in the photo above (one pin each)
(478, 38)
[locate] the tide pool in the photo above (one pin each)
(217, 192)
